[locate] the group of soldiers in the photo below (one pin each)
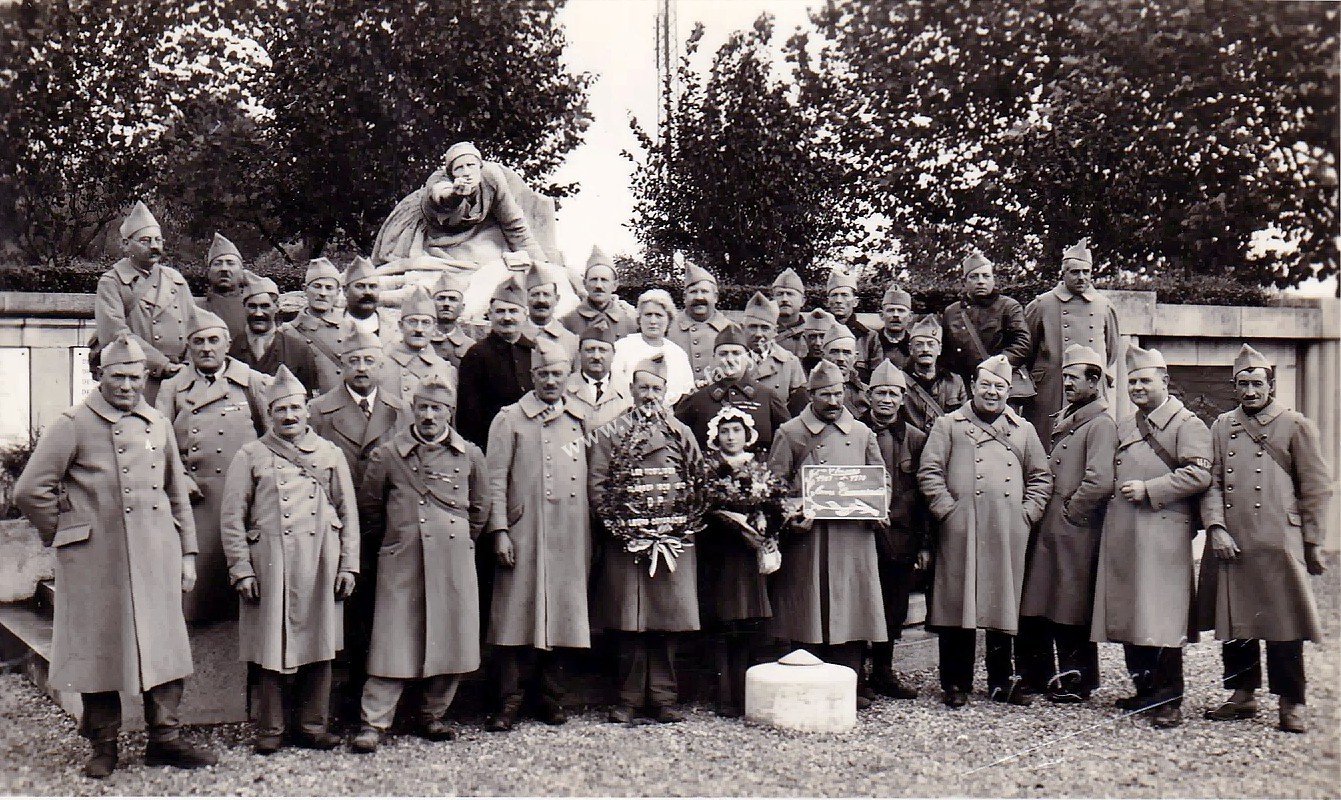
(405, 490)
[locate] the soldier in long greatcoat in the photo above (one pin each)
(290, 529)
(986, 480)
(591, 386)
(1072, 312)
(541, 534)
(215, 405)
(1263, 544)
(789, 292)
(411, 358)
(450, 339)
(1059, 582)
(106, 488)
(901, 542)
(426, 494)
(648, 613)
(145, 298)
(840, 348)
(826, 596)
(1143, 587)
(227, 283)
(358, 416)
(773, 366)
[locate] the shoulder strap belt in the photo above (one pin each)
(416, 482)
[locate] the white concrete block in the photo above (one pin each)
(802, 693)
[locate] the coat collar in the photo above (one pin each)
(405, 443)
(99, 405)
(1161, 416)
(308, 321)
(816, 425)
(1008, 416)
(457, 337)
(127, 273)
(718, 321)
(307, 442)
(348, 418)
(1063, 425)
(1262, 418)
(722, 388)
(1066, 295)
(587, 311)
(403, 355)
(532, 406)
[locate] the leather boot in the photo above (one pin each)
(103, 761)
(1293, 717)
(505, 719)
(179, 754)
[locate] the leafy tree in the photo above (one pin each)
(367, 97)
(738, 176)
(1175, 133)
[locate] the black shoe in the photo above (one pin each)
(891, 686)
(177, 753)
(1166, 716)
(267, 745)
(435, 730)
(730, 711)
(103, 761)
(553, 715)
(322, 740)
(666, 714)
(1013, 694)
(955, 698)
(621, 714)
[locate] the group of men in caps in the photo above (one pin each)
(406, 490)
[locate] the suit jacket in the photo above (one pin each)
(494, 373)
(338, 419)
(614, 402)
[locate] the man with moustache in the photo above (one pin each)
(1072, 312)
(647, 613)
(841, 299)
(362, 312)
(826, 595)
(149, 300)
(890, 343)
(1263, 544)
(983, 323)
(450, 340)
(215, 406)
(320, 324)
(1059, 579)
(358, 417)
(540, 530)
(425, 496)
(772, 364)
(227, 281)
(105, 487)
(291, 533)
(496, 371)
(265, 346)
(591, 386)
(1143, 588)
(733, 387)
(933, 391)
(901, 542)
(542, 294)
(695, 328)
(986, 480)
(411, 358)
(789, 292)
(840, 349)
(602, 305)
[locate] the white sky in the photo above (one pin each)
(614, 40)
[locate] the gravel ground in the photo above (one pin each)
(916, 748)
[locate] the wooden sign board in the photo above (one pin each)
(833, 492)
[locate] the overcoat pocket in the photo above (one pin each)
(72, 535)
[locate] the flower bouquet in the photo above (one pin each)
(749, 496)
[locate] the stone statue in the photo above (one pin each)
(468, 214)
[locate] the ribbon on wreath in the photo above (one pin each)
(658, 549)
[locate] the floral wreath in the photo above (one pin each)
(655, 526)
(732, 414)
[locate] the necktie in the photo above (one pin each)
(599, 390)
(209, 376)
(363, 405)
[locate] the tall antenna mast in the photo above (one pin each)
(667, 50)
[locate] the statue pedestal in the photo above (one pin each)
(799, 692)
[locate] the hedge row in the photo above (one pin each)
(928, 294)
